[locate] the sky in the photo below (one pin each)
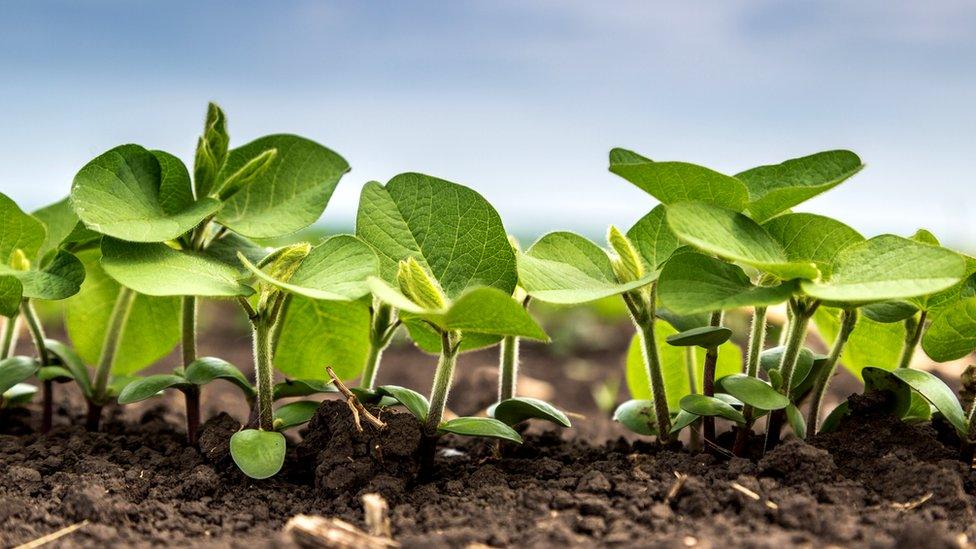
(518, 99)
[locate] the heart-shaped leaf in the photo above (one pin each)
(60, 278)
(513, 411)
(290, 194)
(15, 369)
(870, 344)
(479, 427)
(413, 401)
(206, 369)
(889, 311)
(323, 332)
(294, 414)
(563, 267)
(753, 391)
(258, 454)
(653, 238)
(702, 405)
(777, 188)
(734, 237)
(637, 416)
(812, 238)
(148, 387)
(672, 182)
(694, 283)
(888, 267)
(301, 387)
(138, 195)
(159, 270)
(952, 334)
(704, 336)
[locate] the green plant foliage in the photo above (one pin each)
(734, 237)
(771, 359)
(703, 336)
(72, 362)
(60, 278)
(518, 409)
(318, 333)
(752, 391)
(796, 421)
(206, 369)
(428, 340)
(294, 414)
(889, 311)
(672, 182)
(148, 387)
(19, 231)
(776, 188)
(258, 454)
(413, 401)
(18, 395)
(637, 416)
(702, 405)
(695, 283)
(812, 238)
(300, 388)
(15, 369)
(479, 427)
(952, 334)
(62, 227)
(653, 238)
(11, 294)
(54, 373)
(938, 394)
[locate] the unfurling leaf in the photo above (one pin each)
(211, 150)
(628, 265)
(248, 173)
(419, 286)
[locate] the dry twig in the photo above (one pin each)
(358, 410)
(53, 536)
(377, 515)
(315, 531)
(909, 505)
(752, 495)
(679, 482)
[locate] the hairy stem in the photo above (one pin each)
(443, 377)
(380, 333)
(8, 341)
(263, 373)
(113, 331)
(508, 368)
(914, 330)
(757, 340)
(642, 309)
(848, 319)
(708, 379)
(799, 320)
(37, 335)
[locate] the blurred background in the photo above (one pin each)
(520, 100)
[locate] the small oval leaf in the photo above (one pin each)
(412, 400)
(797, 423)
(15, 369)
(704, 336)
(294, 414)
(148, 387)
(711, 406)
(206, 369)
(638, 416)
(55, 373)
(753, 391)
(301, 388)
(258, 454)
(480, 427)
(516, 410)
(938, 393)
(682, 420)
(18, 395)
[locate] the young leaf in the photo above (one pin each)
(413, 401)
(55, 373)
(777, 188)
(771, 359)
(301, 387)
(72, 362)
(487, 310)
(258, 454)
(936, 392)
(63, 229)
(15, 369)
(812, 238)
(323, 332)
(247, 174)
(148, 387)
(733, 236)
(702, 405)
(289, 195)
(60, 277)
(159, 270)
(876, 379)
(694, 283)
(704, 336)
(637, 416)
(888, 267)
(797, 423)
(952, 334)
(294, 414)
(653, 238)
(479, 427)
(672, 182)
(753, 391)
(18, 395)
(870, 344)
(683, 419)
(516, 410)
(206, 369)
(134, 194)
(18, 231)
(889, 311)
(211, 150)
(11, 294)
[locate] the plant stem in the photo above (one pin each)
(848, 319)
(113, 331)
(8, 343)
(642, 309)
(37, 335)
(379, 337)
(914, 330)
(690, 367)
(757, 340)
(443, 377)
(263, 374)
(188, 348)
(508, 368)
(799, 319)
(708, 380)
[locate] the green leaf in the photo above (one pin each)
(925, 236)
(888, 267)
(449, 229)
(653, 238)
(771, 359)
(938, 393)
(247, 174)
(876, 379)
(334, 270)
(11, 294)
(226, 248)
(952, 333)
(797, 423)
(159, 270)
(734, 237)
(833, 419)
(15, 369)
(479, 427)
(294, 414)
(70, 360)
(206, 369)
(318, 333)
(694, 283)
(18, 395)
(62, 224)
(487, 310)
(301, 387)
(413, 401)
(258, 454)
(683, 419)
(637, 416)
(60, 278)
(777, 188)
(18, 231)
(289, 195)
(672, 182)
(428, 340)
(889, 311)
(870, 344)
(134, 194)
(513, 411)
(812, 238)
(150, 332)
(148, 387)
(55, 373)
(702, 405)
(563, 267)
(211, 150)
(753, 391)
(704, 336)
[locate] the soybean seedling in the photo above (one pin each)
(166, 235)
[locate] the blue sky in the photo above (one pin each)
(519, 99)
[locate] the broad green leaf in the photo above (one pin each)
(479, 427)
(320, 333)
(672, 182)
(11, 294)
(449, 229)
(289, 195)
(797, 423)
(301, 387)
(428, 340)
(294, 414)
(60, 278)
(490, 311)
(674, 366)
(516, 410)
(150, 332)
(753, 391)
(936, 392)
(702, 405)
(334, 270)
(733, 236)
(134, 194)
(18, 395)
(15, 369)
(258, 454)
(870, 344)
(159, 270)
(18, 231)
(206, 369)
(55, 373)
(637, 416)
(771, 359)
(704, 336)
(695, 283)
(148, 387)
(72, 362)
(919, 410)
(413, 401)
(889, 311)
(812, 238)
(952, 333)
(62, 226)
(563, 267)
(653, 238)
(777, 188)
(888, 267)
